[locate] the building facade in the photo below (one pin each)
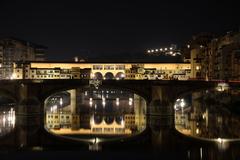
(12, 50)
(84, 70)
(216, 58)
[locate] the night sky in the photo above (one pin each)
(110, 29)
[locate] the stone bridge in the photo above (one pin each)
(29, 96)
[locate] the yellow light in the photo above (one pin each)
(197, 131)
(13, 76)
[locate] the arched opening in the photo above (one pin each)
(87, 112)
(98, 75)
(109, 76)
(120, 75)
(208, 114)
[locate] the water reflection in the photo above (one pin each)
(7, 119)
(95, 112)
(209, 114)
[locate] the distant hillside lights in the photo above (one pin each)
(168, 51)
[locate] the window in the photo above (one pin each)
(120, 67)
(109, 67)
(97, 67)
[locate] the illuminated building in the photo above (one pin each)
(84, 70)
(12, 49)
(216, 58)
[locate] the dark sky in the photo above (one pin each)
(109, 28)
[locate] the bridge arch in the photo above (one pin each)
(109, 76)
(98, 75)
(120, 75)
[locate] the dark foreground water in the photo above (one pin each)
(116, 125)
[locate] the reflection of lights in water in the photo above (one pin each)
(103, 101)
(53, 108)
(219, 140)
(179, 103)
(90, 102)
(122, 122)
(130, 102)
(182, 104)
(222, 87)
(92, 121)
(197, 131)
(117, 101)
(61, 101)
(7, 121)
(222, 143)
(90, 124)
(175, 106)
(201, 153)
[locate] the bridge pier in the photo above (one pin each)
(161, 115)
(28, 117)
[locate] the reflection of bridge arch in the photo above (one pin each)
(109, 76)
(119, 119)
(98, 119)
(120, 75)
(109, 119)
(98, 75)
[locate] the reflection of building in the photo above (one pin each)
(85, 120)
(113, 128)
(210, 116)
(111, 111)
(12, 49)
(130, 121)
(62, 120)
(7, 121)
